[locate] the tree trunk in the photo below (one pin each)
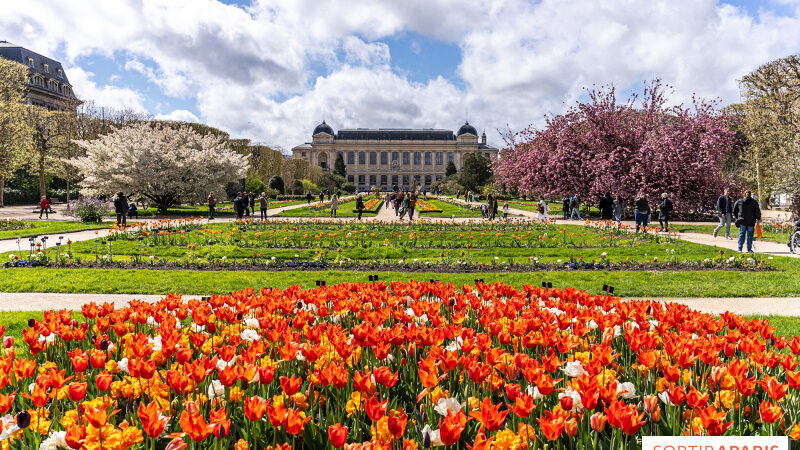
(67, 199)
(2, 189)
(761, 200)
(42, 187)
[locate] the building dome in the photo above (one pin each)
(323, 128)
(467, 128)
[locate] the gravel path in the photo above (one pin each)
(32, 301)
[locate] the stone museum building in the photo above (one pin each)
(48, 85)
(388, 157)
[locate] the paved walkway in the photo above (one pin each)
(33, 301)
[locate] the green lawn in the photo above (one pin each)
(346, 209)
(445, 209)
(42, 227)
(627, 283)
(223, 209)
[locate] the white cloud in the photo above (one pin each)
(251, 69)
(109, 96)
(179, 115)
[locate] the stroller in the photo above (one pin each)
(794, 239)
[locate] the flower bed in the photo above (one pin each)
(13, 224)
(371, 205)
(425, 206)
(413, 364)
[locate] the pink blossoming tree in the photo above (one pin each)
(637, 147)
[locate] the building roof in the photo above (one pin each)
(395, 134)
(323, 128)
(23, 56)
(467, 129)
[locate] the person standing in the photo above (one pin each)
(664, 212)
(403, 205)
(565, 207)
(412, 204)
(494, 206)
(575, 207)
(725, 213)
(308, 197)
(321, 196)
(212, 206)
(641, 212)
(359, 205)
(505, 210)
(44, 207)
(619, 208)
(398, 200)
(121, 208)
(387, 200)
(252, 199)
(748, 214)
(542, 211)
(238, 206)
(263, 203)
(606, 207)
(334, 205)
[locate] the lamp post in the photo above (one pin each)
(33, 244)
(44, 247)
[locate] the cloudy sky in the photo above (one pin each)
(270, 70)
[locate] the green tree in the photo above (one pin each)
(14, 130)
(451, 169)
(477, 172)
(276, 182)
(338, 166)
(49, 141)
(772, 126)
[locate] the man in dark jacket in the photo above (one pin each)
(725, 213)
(121, 208)
(359, 206)
(606, 207)
(238, 205)
(748, 214)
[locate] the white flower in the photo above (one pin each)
(433, 434)
(603, 255)
(574, 369)
(54, 441)
(9, 427)
(533, 391)
(155, 342)
(251, 323)
(123, 365)
(151, 322)
(250, 335)
(627, 390)
(299, 356)
(447, 404)
(576, 398)
(664, 396)
(216, 389)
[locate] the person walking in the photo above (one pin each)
(321, 196)
(575, 207)
(565, 207)
(212, 205)
(619, 208)
(359, 206)
(403, 205)
(121, 208)
(308, 197)
(334, 205)
(44, 207)
(748, 214)
(263, 204)
(387, 200)
(641, 212)
(606, 207)
(664, 212)
(542, 211)
(398, 200)
(494, 206)
(412, 204)
(725, 213)
(505, 210)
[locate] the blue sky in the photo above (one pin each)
(271, 69)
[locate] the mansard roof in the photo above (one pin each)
(395, 134)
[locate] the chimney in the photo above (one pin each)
(483, 138)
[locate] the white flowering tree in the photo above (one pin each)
(165, 164)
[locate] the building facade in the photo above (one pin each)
(389, 157)
(48, 85)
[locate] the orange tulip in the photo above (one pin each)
(291, 385)
(397, 423)
(774, 388)
(552, 425)
(451, 427)
(103, 381)
(220, 422)
(598, 422)
(150, 417)
(276, 414)
(295, 421)
(98, 417)
(337, 435)
(254, 408)
(490, 415)
(375, 408)
(77, 391)
(523, 405)
(714, 421)
(193, 423)
(770, 413)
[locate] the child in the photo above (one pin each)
(505, 210)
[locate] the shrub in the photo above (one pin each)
(276, 183)
(349, 188)
(88, 209)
